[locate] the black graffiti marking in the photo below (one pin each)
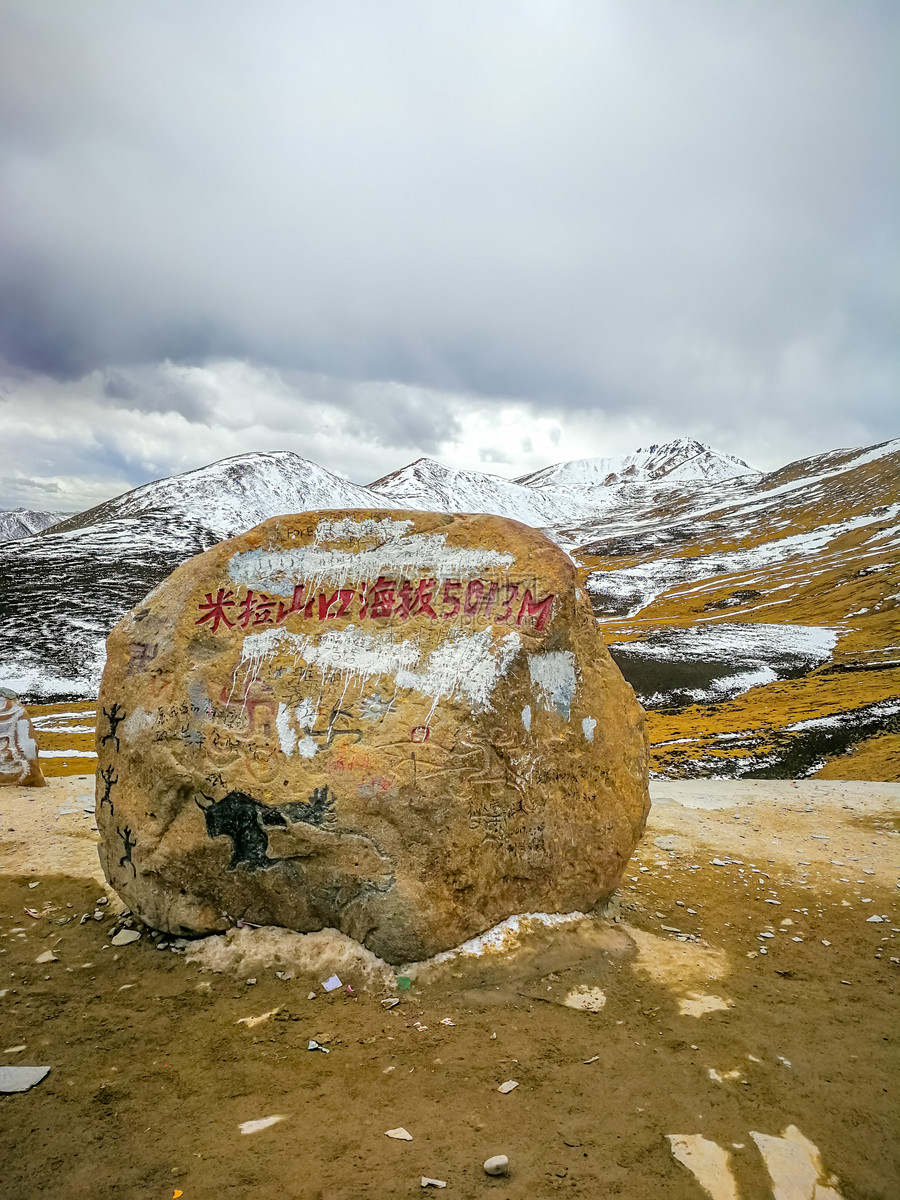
(129, 842)
(246, 821)
(108, 779)
(318, 811)
(115, 716)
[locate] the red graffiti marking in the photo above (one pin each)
(256, 608)
(539, 609)
(419, 733)
(384, 599)
(215, 609)
(416, 602)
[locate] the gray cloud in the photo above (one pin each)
(621, 207)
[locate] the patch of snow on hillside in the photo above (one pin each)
(728, 641)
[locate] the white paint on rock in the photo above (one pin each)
(553, 677)
(467, 665)
(140, 721)
(588, 725)
(293, 724)
(794, 1166)
(707, 1162)
(526, 718)
(390, 551)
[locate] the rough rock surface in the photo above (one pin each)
(402, 725)
(19, 763)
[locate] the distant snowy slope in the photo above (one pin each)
(22, 522)
(683, 460)
(62, 591)
(430, 486)
(235, 494)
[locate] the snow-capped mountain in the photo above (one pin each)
(432, 487)
(22, 522)
(62, 591)
(684, 460)
(233, 494)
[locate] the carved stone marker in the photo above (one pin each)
(402, 725)
(19, 762)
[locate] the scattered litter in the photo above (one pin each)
(436, 1183)
(331, 984)
(33, 912)
(498, 1165)
(251, 1022)
(314, 1045)
(508, 1086)
(125, 937)
(20, 1079)
(48, 956)
(404, 983)
(311, 996)
(588, 1061)
(390, 1002)
(717, 1078)
(825, 942)
(444, 1020)
(399, 1134)
(587, 999)
(34, 883)
(262, 1123)
(418, 1025)
(783, 1060)
(14, 1049)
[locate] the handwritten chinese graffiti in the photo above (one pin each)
(385, 598)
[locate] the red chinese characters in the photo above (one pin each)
(385, 599)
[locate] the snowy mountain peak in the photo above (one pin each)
(683, 460)
(23, 522)
(234, 494)
(432, 487)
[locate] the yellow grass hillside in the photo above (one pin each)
(812, 550)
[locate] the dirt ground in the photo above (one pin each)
(152, 1071)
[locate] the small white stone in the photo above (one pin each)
(435, 1183)
(873, 920)
(508, 1086)
(399, 1134)
(498, 1165)
(48, 956)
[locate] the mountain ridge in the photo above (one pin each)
(769, 598)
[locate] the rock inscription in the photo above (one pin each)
(402, 725)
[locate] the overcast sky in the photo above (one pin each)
(501, 233)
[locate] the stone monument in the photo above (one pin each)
(19, 762)
(402, 725)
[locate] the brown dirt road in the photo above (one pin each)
(151, 1073)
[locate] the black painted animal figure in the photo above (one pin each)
(245, 820)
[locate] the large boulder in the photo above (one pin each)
(403, 725)
(19, 762)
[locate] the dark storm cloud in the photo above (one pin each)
(684, 209)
